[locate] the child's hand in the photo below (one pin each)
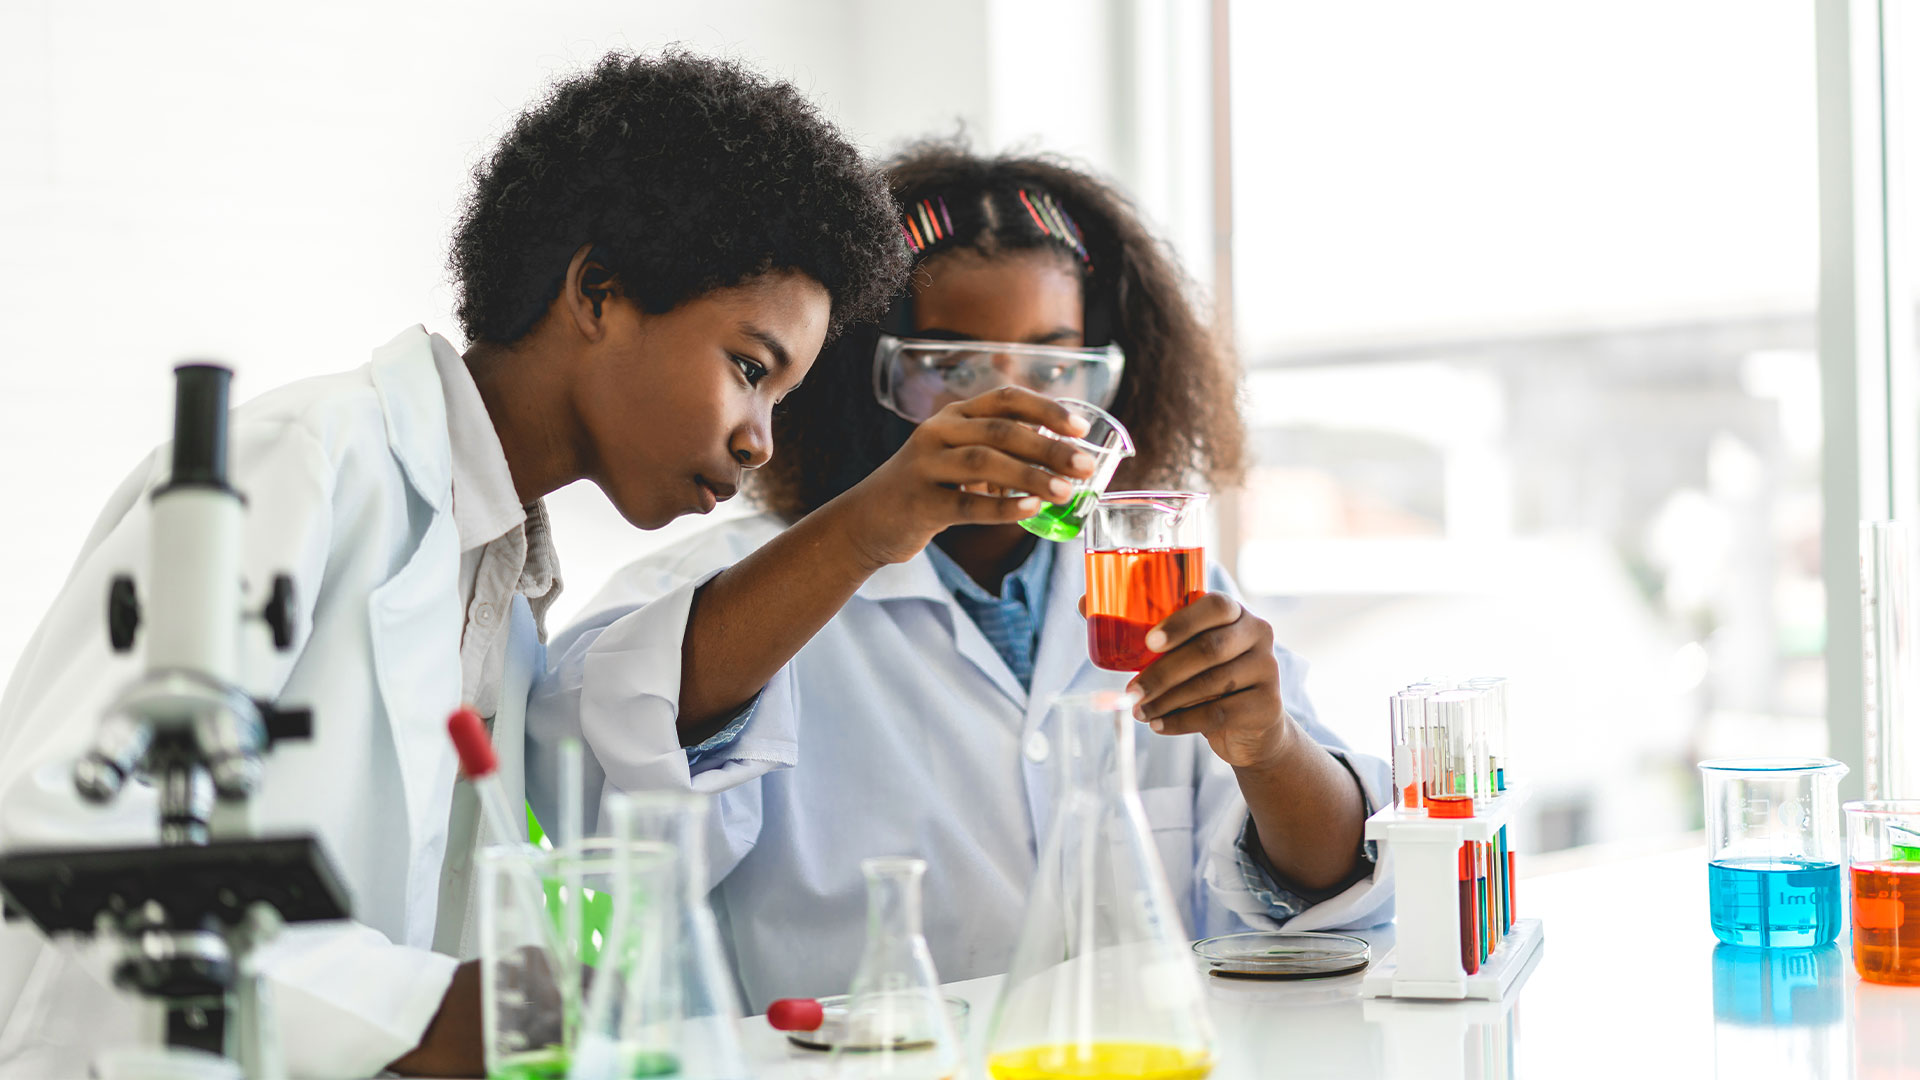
(1218, 677)
(986, 442)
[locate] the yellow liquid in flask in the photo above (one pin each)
(1101, 1061)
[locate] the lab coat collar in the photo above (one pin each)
(916, 579)
(485, 504)
(416, 414)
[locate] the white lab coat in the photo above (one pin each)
(349, 486)
(896, 730)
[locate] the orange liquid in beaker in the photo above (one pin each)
(1886, 922)
(1131, 591)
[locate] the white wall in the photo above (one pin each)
(272, 184)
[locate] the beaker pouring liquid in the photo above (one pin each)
(1108, 443)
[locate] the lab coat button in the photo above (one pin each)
(1037, 747)
(483, 614)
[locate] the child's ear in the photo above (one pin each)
(588, 287)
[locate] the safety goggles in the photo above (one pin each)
(916, 379)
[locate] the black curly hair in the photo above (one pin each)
(686, 174)
(1177, 397)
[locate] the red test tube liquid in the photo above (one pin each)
(1469, 932)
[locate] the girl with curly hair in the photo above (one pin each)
(867, 666)
(651, 258)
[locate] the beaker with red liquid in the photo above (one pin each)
(1883, 853)
(1145, 560)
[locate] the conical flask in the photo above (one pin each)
(662, 1002)
(897, 1025)
(1102, 985)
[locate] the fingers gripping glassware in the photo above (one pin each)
(1102, 985)
(1773, 850)
(915, 379)
(1109, 444)
(1883, 853)
(1145, 560)
(897, 1025)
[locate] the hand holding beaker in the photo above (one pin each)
(991, 440)
(1216, 675)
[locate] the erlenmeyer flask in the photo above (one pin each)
(663, 999)
(897, 1023)
(1102, 986)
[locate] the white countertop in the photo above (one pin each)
(1630, 986)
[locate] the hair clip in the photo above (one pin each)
(1055, 222)
(923, 228)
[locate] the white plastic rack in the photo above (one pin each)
(1425, 961)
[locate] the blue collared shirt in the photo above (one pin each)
(1012, 620)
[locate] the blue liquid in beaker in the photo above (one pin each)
(1774, 902)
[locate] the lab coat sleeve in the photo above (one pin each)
(1235, 897)
(319, 974)
(615, 685)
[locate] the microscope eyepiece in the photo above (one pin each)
(200, 425)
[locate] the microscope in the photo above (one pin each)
(187, 914)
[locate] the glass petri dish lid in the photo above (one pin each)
(1271, 954)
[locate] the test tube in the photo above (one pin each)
(1456, 715)
(1469, 932)
(1495, 687)
(1410, 747)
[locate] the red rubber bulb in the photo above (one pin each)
(470, 741)
(795, 1014)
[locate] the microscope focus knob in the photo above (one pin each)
(280, 612)
(123, 612)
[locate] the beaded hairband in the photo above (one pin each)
(928, 223)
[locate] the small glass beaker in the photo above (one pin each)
(1883, 856)
(1109, 443)
(897, 1024)
(1146, 559)
(1773, 850)
(532, 973)
(1103, 983)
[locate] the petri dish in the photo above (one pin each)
(834, 1021)
(1281, 955)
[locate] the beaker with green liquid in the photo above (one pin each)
(534, 970)
(1109, 443)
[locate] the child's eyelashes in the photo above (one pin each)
(752, 370)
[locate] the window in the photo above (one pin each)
(1526, 294)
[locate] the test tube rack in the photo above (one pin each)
(1424, 851)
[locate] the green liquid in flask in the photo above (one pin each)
(551, 1064)
(1060, 521)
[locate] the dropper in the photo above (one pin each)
(482, 766)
